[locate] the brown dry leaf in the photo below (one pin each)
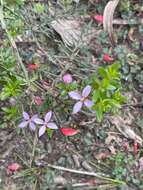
(108, 19)
(114, 138)
(73, 32)
(130, 34)
(110, 138)
(102, 156)
(112, 149)
(125, 129)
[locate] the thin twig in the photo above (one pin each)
(114, 181)
(33, 149)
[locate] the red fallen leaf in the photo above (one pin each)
(38, 100)
(13, 168)
(69, 131)
(98, 18)
(107, 58)
(32, 67)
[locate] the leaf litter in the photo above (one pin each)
(63, 151)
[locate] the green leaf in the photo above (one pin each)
(115, 67)
(49, 132)
(105, 83)
(102, 72)
(96, 95)
(99, 111)
(39, 8)
(111, 87)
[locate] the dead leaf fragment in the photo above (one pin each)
(130, 34)
(110, 138)
(102, 156)
(125, 129)
(108, 19)
(73, 32)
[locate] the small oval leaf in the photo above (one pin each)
(69, 131)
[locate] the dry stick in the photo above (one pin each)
(85, 173)
(33, 149)
(20, 63)
(118, 21)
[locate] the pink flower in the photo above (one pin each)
(45, 123)
(13, 168)
(98, 18)
(38, 101)
(67, 78)
(83, 99)
(27, 120)
(33, 66)
(107, 58)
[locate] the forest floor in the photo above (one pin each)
(40, 43)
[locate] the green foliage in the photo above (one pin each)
(14, 2)
(12, 87)
(39, 8)
(65, 88)
(124, 5)
(49, 132)
(106, 90)
(7, 61)
(10, 112)
(122, 167)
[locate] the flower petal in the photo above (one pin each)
(13, 167)
(26, 115)
(77, 107)
(48, 116)
(69, 131)
(52, 126)
(38, 121)
(32, 126)
(34, 117)
(42, 130)
(23, 124)
(88, 103)
(75, 95)
(86, 91)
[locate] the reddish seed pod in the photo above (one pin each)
(98, 18)
(69, 131)
(107, 58)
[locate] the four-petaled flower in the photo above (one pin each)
(27, 120)
(45, 123)
(83, 99)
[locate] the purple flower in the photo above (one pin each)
(83, 99)
(27, 120)
(45, 123)
(67, 78)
